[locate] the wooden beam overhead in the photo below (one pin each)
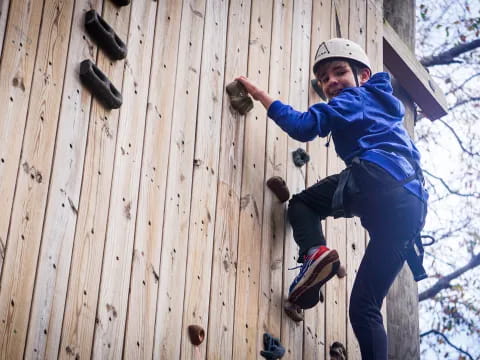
(411, 75)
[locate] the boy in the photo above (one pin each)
(382, 184)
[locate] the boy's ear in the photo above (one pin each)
(364, 75)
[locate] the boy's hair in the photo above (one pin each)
(355, 65)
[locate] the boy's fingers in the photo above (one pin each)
(241, 78)
(249, 86)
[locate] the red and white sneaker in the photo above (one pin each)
(317, 269)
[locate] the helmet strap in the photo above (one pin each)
(354, 71)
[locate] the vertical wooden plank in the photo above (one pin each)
(16, 75)
(314, 337)
(148, 234)
(374, 49)
(251, 208)
(204, 187)
(168, 328)
(3, 22)
(274, 213)
(222, 292)
(117, 262)
(357, 32)
(402, 298)
(60, 218)
(336, 296)
(374, 45)
(340, 18)
(292, 333)
(34, 177)
(85, 269)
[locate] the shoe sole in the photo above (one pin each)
(306, 293)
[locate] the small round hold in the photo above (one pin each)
(196, 334)
(294, 311)
(342, 272)
(300, 157)
(338, 351)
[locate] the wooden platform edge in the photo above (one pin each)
(411, 75)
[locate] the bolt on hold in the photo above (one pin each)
(104, 35)
(98, 83)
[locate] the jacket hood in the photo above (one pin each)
(381, 81)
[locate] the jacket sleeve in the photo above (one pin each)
(321, 118)
(302, 126)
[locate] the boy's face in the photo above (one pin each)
(334, 76)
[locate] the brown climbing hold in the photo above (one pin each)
(294, 311)
(337, 351)
(196, 334)
(279, 188)
(341, 273)
(239, 98)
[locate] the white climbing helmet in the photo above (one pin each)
(340, 48)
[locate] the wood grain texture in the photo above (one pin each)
(357, 31)
(274, 212)
(32, 187)
(169, 331)
(336, 295)
(87, 256)
(246, 334)
(374, 49)
(205, 178)
(122, 227)
(4, 4)
(53, 269)
(139, 342)
(224, 262)
(16, 76)
(412, 76)
(314, 333)
(118, 256)
(402, 298)
(292, 333)
(374, 43)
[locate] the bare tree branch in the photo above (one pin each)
(444, 282)
(448, 56)
(460, 142)
(463, 102)
(455, 89)
(449, 231)
(436, 332)
(454, 192)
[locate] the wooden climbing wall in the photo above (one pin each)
(120, 228)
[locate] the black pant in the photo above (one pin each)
(393, 218)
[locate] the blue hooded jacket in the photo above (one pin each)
(364, 121)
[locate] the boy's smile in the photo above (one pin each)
(334, 76)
